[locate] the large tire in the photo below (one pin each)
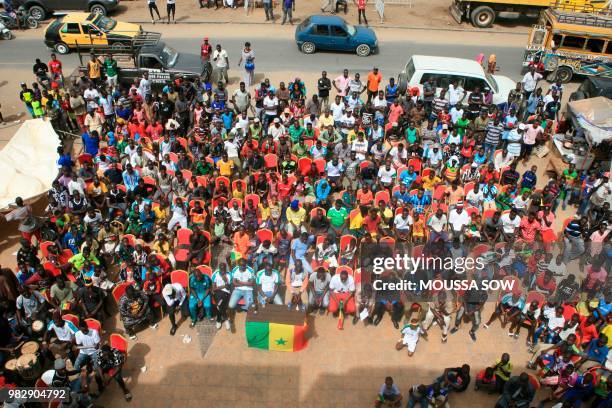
(37, 12)
(61, 48)
(98, 9)
(564, 74)
(8, 35)
(363, 50)
(32, 23)
(308, 48)
(482, 17)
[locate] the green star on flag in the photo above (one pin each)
(281, 342)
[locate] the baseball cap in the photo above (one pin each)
(167, 290)
(522, 126)
(276, 120)
(59, 364)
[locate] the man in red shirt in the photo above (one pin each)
(361, 6)
(205, 50)
(55, 66)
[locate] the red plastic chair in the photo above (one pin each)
(313, 212)
(271, 161)
(224, 179)
(94, 324)
(439, 193)
(44, 248)
(303, 165)
(343, 268)
(180, 276)
(426, 172)
(488, 214)
(264, 234)
(149, 180)
(416, 163)
(72, 319)
(241, 182)
(118, 342)
(187, 174)
(205, 269)
(382, 196)
(183, 236)
(469, 186)
(320, 163)
(119, 290)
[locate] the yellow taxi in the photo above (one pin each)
(87, 30)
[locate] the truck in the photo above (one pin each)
(483, 13)
(163, 63)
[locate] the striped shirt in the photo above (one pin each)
(574, 229)
(493, 133)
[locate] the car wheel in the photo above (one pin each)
(482, 17)
(37, 12)
(308, 48)
(363, 50)
(61, 48)
(98, 9)
(32, 23)
(8, 35)
(564, 74)
(402, 83)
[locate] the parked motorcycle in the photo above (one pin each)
(25, 20)
(5, 33)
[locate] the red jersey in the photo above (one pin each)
(55, 66)
(205, 51)
(361, 4)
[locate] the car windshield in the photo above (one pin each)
(168, 56)
(104, 23)
(491, 80)
(351, 30)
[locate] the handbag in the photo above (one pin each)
(249, 66)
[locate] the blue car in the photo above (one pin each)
(332, 33)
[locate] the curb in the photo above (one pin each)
(464, 30)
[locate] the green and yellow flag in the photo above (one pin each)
(286, 334)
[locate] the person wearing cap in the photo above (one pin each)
(60, 377)
(174, 296)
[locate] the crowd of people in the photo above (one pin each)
(190, 199)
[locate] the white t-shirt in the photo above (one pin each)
(243, 276)
(458, 220)
(411, 335)
(65, 333)
(337, 110)
(337, 285)
(437, 224)
(267, 282)
(508, 224)
(402, 223)
(454, 94)
(554, 322)
(530, 81)
(220, 58)
(386, 176)
(474, 198)
(334, 171)
(231, 149)
(270, 105)
(360, 148)
(89, 341)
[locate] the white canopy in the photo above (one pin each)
(594, 115)
(28, 162)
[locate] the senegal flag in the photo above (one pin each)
(276, 328)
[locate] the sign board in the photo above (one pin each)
(380, 7)
(157, 76)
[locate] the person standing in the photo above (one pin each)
(374, 79)
(361, 7)
(269, 9)
(288, 9)
(205, 50)
(171, 9)
(248, 57)
(329, 3)
(530, 81)
(111, 71)
(221, 61)
(152, 8)
(94, 69)
(324, 86)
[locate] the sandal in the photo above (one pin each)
(128, 396)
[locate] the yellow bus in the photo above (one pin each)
(566, 43)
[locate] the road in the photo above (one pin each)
(276, 51)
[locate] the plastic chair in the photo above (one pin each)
(94, 324)
(119, 290)
(416, 163)
(382, 195)
(343, 268)
(313, 212)
(44, 248)
(71, 318)
(180, 276)
(183, 236)
(271, 161)
(118, 342)
(303, 165)
(219, 179)
(320, 163)
(205, 269)
(265, 234)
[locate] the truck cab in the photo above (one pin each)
(164, 64)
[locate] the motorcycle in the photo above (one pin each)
(18, 19)
(5, 33)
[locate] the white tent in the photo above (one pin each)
(594, 116)
(28, 163)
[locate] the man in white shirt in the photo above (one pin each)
(530, 81)
(64, 330)
(221, 61)
(276, 130)
(437, 226)
(360, 147)
(521, 203)
(87, 341)
(144, 87)
(458, 220)
(402, 223)
(503, 160)
(270, 105)
(456, 93)
(337, 110)
(244, 282)
(510, 222)
(342, 290)
(268, 281)
(386, 174)
(174, 295)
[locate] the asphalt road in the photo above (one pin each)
(275, 54)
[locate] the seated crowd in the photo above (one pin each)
(196, 200)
